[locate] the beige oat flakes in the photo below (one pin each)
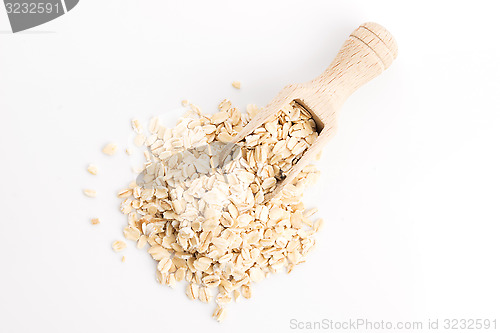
(223, 298)
(92, 169)
(125, 193)
(90, 193)
(136, 126)
(119, 246)
(236, 84)
(192, 291)
(236, 295)
(132, 233)
(139, 140)
(318, 225)
(142, 241)
(170, 280)
(180, 274)
(164, 265)
(219, 314)
(95, 221)
(110, 149)
(310, 212)
(246, 291)
(208, 224)
(205, 295)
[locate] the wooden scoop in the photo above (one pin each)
(369, 50)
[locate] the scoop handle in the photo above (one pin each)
(369, 50)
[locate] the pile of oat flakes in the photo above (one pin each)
(206, 221)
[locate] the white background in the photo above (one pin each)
(410, 186)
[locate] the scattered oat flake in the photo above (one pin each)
(256, 274)
(219, 117)
(92, 169)
(119, 246)
(154, 124)
(310, 212)
(110, 149)
(192, 291)
(142, 241)
(131, 233)
(318, 225)
(123, 258)
(164, 265)
(236, 295)
(236, 84)
(204, 294)
(90, 193)
(170, 280)
(139, 140)
(246, 291)
(219, 314)
(136, 126)
(95, 221)
(125, 193)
